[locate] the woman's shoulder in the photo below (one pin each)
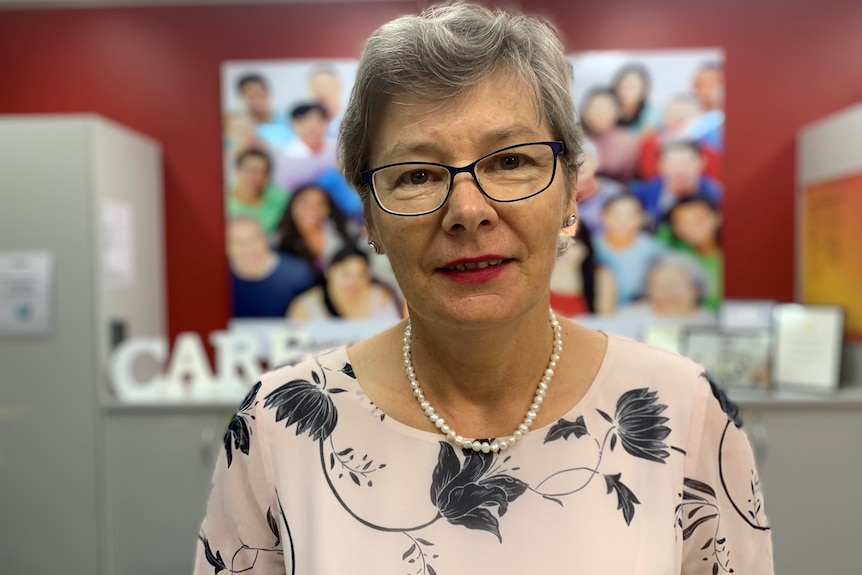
(329, 360)
(312, 378)
(636, 364)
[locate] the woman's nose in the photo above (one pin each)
(468, 208)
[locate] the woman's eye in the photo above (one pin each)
(510, 162)
(417, 177)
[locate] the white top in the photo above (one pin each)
(648, 473)
(297, 165)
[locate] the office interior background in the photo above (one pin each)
(110, 489)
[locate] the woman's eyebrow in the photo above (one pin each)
(489, 141)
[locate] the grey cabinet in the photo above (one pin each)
(158, 475)
(61, 178)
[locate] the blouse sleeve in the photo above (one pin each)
(721, 515)
(241, 529)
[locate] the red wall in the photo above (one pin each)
(156, 70)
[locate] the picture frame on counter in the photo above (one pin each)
(807, 345)
(732, 358)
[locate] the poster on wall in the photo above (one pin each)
(647, 249)
(831, 266)
(651, 187)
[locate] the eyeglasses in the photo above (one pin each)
(508, 175)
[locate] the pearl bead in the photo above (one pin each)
(497, 445)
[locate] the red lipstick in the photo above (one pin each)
(475, 270)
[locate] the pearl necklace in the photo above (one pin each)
(476, 445)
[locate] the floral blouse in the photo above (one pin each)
(649, 473)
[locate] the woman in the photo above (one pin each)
(312, 228)
(348, 291)
(616, 147)
(631, 86)
(411, 451)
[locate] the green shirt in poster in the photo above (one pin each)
(268, 211)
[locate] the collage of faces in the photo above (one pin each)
(294, 232)
(649, 191)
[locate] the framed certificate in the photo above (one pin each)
(808, 343)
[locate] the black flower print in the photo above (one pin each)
(348, 371)
(626, 499)
(214, 559)
(245, 556)
(638, 426)
(464, 494)
(641, 426)
(564, 429)
(306, 404)
(727, 406)
(699, 509)
(238, 432)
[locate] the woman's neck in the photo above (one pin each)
(482, 382)
(482, 367)
(314, 238)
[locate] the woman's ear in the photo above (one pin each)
(371, 231)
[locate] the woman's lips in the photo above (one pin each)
(475, 270)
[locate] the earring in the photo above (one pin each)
(377, 249)
(570, 221)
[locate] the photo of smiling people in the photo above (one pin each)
(296, 245)
(654, 124)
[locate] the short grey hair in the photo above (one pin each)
(439, 55)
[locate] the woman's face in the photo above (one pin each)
(310, 208)
(473, 261)
(348, 278)
(631, 89)
(601, 113)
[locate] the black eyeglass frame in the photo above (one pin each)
(367, 176)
